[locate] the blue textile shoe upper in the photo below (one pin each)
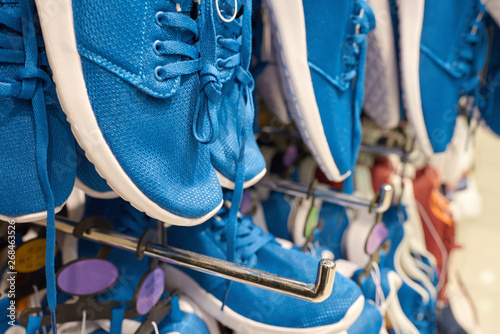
(91, 182)
(38, 166)
(450, 62)
(369, 322)
(140, 65)
(489, 94)
(182, 322)
(338, 77)
(235, 106)
(277, 209)
(335, 222)
(258, 250)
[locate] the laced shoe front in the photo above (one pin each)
(128, 79)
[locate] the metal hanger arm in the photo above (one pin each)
(316, 293)
(379, 205)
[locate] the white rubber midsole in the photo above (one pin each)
(58, 32)
(31, 217)
(228, 184)
(290, 34)
(176, 279)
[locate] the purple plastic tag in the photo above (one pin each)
(246, 201)
(150, 291)
(376, 238)
(291, 154)
(87, 277)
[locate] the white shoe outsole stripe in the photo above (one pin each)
(32, 217)
(228, 184)
(60, 40)
(240, 324)
(289, 32)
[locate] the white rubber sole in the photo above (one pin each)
(240, 324)
(411, 18)
(58, 31)
(228, 184)
(289, 31)
(95, 194)
(32, 217)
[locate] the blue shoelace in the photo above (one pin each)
(31, 83)
(249, 237)
(364, 22)
(205, 126)
(238, 43)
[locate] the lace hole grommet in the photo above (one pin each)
(157, 19)
(218, 64)
(156, 48)
(158, 73)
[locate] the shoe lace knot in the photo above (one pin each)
(249, 237)
(206, 126)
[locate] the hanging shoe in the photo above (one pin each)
(235, 106)
(38, 166)
(322, 56)
(36, 145)
(437, 69)
(250, 308)
(131, 101)
(382, 97)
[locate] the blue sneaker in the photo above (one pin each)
(437, 69)
(322, 48)
(489, 93)
(252, 309)
(128, 82)
(38, 166)
(36, 145)
(235, 106)
(88, 180)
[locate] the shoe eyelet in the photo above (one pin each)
(218, 65)
(157, 19)
(158, 74)
(155, 48)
